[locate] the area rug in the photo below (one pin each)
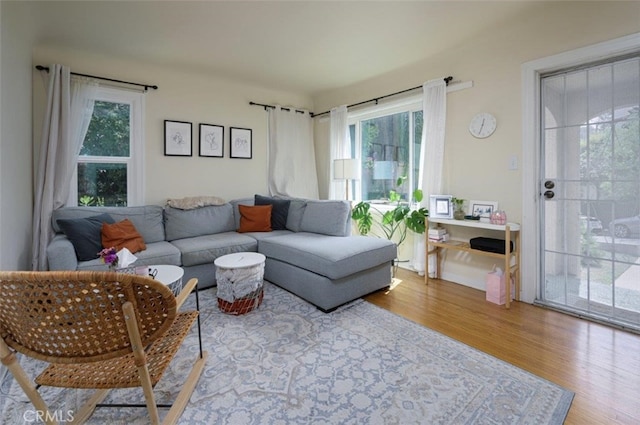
(289, 363)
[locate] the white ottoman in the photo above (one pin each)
(240, 282)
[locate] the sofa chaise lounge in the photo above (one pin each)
(312, 255)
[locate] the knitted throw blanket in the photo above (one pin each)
(193, 202)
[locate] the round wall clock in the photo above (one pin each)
(482, 125)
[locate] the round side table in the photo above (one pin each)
(169, 275)
(240, 285)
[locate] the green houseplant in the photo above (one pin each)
(394, 221)
(458, 211)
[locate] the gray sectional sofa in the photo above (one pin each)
(313, 256)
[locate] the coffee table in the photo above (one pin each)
(240, 285)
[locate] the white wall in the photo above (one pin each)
(478, 169)
(184, 96)
(15, 135)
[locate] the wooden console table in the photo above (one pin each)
(510, 231)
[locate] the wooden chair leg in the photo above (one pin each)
(180, 403)
(186, 291)
(141, 361)
(87, 409)
(10, 360)
(185, 393)
(149, 397)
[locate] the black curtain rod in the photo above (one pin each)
(273, 107)
(376, 99)
(146, 86)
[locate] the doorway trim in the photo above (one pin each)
(530, 74)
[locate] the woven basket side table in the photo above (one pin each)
(240, 282)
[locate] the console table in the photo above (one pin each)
(510, 232)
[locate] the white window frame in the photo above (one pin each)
(409, 104)
(135, 160)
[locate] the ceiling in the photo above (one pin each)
(306, 47)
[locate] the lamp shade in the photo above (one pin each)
(346, 169)
(384, 170)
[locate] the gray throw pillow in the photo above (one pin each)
(84, 234)
(296, 211)
(326, 217)
(279, 212)
(209, 220)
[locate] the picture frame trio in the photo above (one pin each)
(440, 206)
(178, 140)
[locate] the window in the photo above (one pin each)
(387, 140)
(109, 168)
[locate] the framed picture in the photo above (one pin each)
(240, 142)
(440, 206)
(483, 209)
(211, 140)
(177, 138)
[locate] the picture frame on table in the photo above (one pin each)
(211, 140)
(440, 206)
(482, 209)
(240, 143)
(177, 138)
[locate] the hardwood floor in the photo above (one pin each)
(600, 364)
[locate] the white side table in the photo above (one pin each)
(240, 282)
(169, 275)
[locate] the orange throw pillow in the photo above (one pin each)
(122, 234)
(255, 218)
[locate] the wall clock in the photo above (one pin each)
(482, 125)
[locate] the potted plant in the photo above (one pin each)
(458, 208)
(395, 221)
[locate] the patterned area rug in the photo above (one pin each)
(288, 363)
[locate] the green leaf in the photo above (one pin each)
(362, 216)
(417, 195)
(387, 217)
(394, 196)
(416, 220)
(400, 212)
(401, 180)
(360, 210)
(364, 224)
(86, 200)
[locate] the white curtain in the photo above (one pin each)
(340, 148)
(434, 106)
(69, 110)
(292, 159)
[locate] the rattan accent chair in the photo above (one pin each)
(97, 330)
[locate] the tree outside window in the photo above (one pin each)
(110, 161)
